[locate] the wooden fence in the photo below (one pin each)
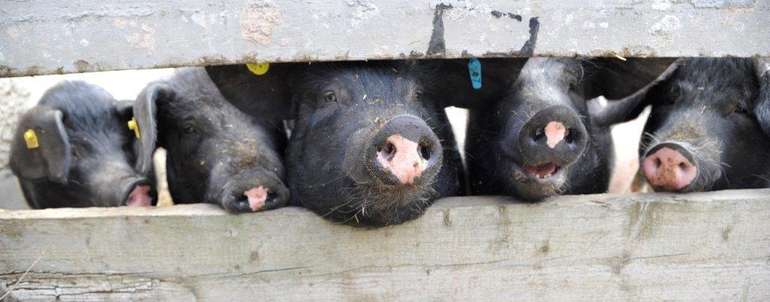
(647, 247)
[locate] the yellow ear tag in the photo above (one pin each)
(30, 137)
(258, 69)
(132, 125)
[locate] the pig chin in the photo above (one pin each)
(377, 204)
(534, 183)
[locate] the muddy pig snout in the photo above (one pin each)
(404, 151)
(554, 134)
(669, 167)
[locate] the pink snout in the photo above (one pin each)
(257, 197)
(668, 169)
(402, 158)
(554, 133)
(139, 197)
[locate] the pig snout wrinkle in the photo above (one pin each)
(402, 158)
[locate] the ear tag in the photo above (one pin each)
(132, 125)
(258, 69)
(474, 70)
(30, 137)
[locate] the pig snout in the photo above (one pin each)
(553, 135)
(403, 158)
(405, 151)
(252, 193)
(139, 197)
(257, 197)
(668, 167)
(137, 194)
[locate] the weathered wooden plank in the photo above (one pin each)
(692, 247)
(41, 37)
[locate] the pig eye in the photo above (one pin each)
(330, 96)
(673, 95)
(740, 109)
(189, 128)
(573, 86)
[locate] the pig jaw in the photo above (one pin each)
(539, 182)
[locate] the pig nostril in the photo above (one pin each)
(241, 203)
(657, 162)
(539, 134)
(682, 166)
(388, 151)
(271, 196)
(569, 135)
(425, 151)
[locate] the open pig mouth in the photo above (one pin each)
(542, 171)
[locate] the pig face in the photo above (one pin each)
(704, 132)
(215, 153)
(74, 149)
(369, 146)
(538, 139)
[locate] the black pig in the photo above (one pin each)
(705, 131)
(74, 149)
(249, 92)
(215, 152)
(536, 138)
(371, 147)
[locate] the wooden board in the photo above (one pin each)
(695, 247)
(43, 37)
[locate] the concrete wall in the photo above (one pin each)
(42, 37)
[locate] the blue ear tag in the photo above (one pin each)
(474, 70)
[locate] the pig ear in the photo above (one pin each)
(41, 147)
(606, 112)
(762, 107)
(263, 90)
(451, 82)
(146, 117)
(125, 109)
